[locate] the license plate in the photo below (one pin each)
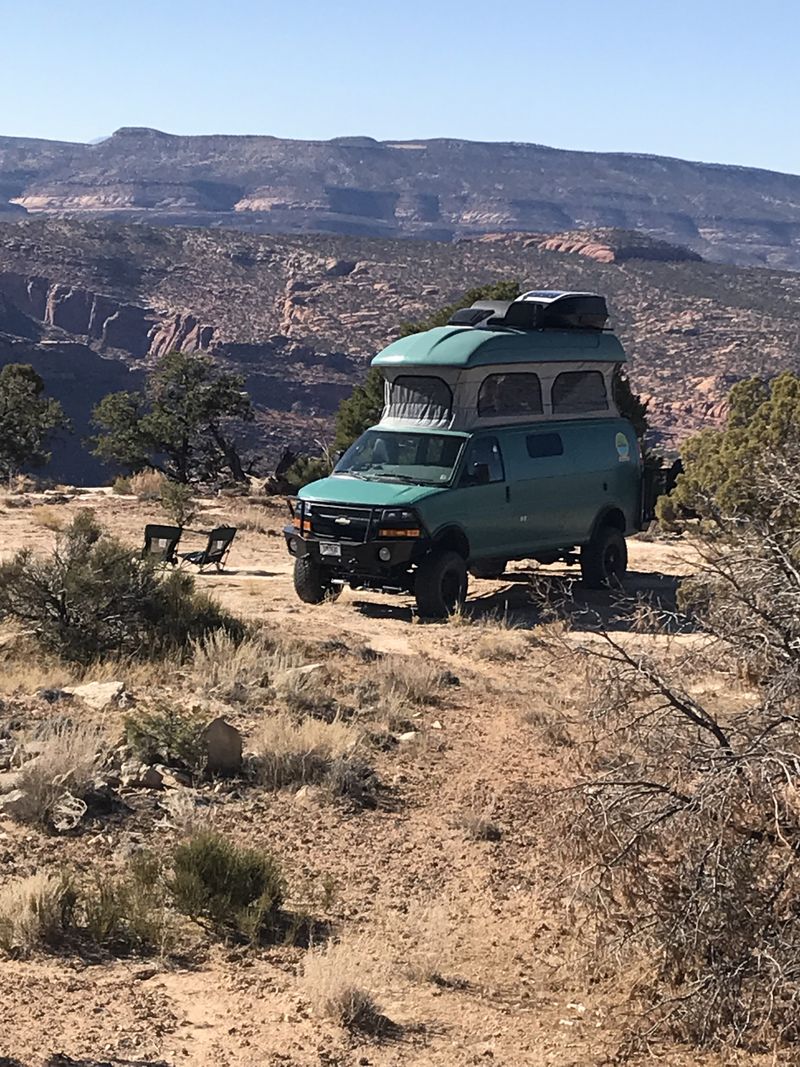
(328, 549)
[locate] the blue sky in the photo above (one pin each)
(715, 80)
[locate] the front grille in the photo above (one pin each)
(354, 524)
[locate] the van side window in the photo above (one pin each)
(510, 394)
(420, 398)
(576, 392)
(484, 463)
(544, 444)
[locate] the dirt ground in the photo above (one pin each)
(413, 892)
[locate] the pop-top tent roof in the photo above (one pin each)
(460, 346)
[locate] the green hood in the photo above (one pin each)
(343, 489)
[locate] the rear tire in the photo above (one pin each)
(488, 568)
(441, 585)
(310, 582)
(604, 560)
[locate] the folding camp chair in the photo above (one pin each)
(161, 542)
(215, 552)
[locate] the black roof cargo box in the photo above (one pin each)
(546, 309)
(540, 309)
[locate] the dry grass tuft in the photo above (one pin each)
(147, 485)
(254, 519)
(409, 679)
(337, 981)
(34, 911)
(551, 725)
(501, 645)
(219, 661)
(431, 954)
(47, 516)
(477, 823)
(66, 765)
(301, 753)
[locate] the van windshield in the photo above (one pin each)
(416, 458)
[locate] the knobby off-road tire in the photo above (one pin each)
(488, 568)
(604, 560)
(441, 585)
(310, 583)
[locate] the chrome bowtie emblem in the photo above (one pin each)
(342, 521)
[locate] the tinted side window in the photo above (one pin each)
(579, 391)
(510, 394)
(484, 463)
(544, 444)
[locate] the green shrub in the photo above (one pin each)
(307, 469)
(128, 914)
(234, 890)
(93, 598)
(736, 471)
(121, 485)
(167, 735)
(177, 502)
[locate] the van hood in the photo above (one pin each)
(344, 489)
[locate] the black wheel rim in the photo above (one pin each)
(451, 589)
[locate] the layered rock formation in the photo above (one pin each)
(300, 316)
(439, 189)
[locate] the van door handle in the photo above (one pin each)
(508, 495)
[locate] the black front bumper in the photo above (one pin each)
(359, 563)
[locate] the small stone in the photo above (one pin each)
(14, 803)
(172, 778)
(307, 668)
(406, 738)
(98, 695)
(436, 725)
(151, 778)
(134, 775)
(223, 747)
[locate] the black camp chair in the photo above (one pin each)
(216, 551)
(161, 543)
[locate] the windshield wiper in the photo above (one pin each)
(405, 478)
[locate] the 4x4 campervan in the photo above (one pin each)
(499, 441)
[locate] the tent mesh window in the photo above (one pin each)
(420, 399)
(578, 392)
(510, 394)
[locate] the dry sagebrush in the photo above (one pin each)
(685, 825)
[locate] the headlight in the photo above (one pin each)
(398, 523)
(398, 516)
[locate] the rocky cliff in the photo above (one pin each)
(439, 189)
(300, 316)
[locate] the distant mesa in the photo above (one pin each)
(438, 190)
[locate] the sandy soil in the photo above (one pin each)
(410, 884)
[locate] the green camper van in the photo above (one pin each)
(499, 441)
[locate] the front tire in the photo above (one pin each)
(604, 560)
(488, 568)
(441, 585)
(310, 582)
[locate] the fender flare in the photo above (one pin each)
(609, 516)
(452, 538)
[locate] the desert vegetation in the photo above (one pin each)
(559, 825)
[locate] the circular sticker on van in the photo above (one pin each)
(623, 447)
